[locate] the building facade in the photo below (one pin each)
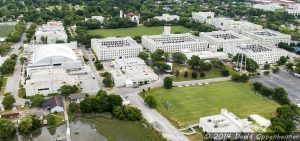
(174, 42)
(202, 17)
(261, 54)
(115, 48)
(268, 37)
(221, 38)
(51, 33)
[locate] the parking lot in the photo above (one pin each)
(285, 80)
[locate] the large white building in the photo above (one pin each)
(167, 17)
(115, 48)
(174, 42)
(131, 71)
(261, 54)
(202, 17)
(101, 19)
(52, 55)
(225, 122)
(54, 65)
(267, 36)
(222, 38)
(52, 32)
(268, 7)
(229, 24)
(294, 9)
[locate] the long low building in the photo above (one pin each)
(261, 54)
(131, 71)
(221, 38)
(268, 37)
(174, 42)
(51, 66)
(51, 33)
(236, 26)
(115, 48)
(205, 55)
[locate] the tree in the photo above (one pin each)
(266, 72)
(157, 55)
(114, 100)
(282, 61)
(257, 86)
(186, 74)
(202, 74)
(68, 89)
(101, 93)
(127, 112)
(108, 81)
(267, 66)
(244, 78)
(177, 73)
(194, 74)
(8, 66)
(225, 72)
(51, 120)
(37, 100)
(194, 61)
(7, 130)
(217, 63)
(91, 104)
(8, 101)
(98, 65)
(26, 126)
(280, 95)
(179, 57)
(168, 82)
(150, 100)
(251, 65)
(275, 70)
(74, 107)
(289, 66)
(143, 55)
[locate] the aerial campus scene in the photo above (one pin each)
(149, 70)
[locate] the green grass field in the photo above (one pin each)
(188, 104)
(117, 130)
(5, 30)
(213, 73)
(135, 31)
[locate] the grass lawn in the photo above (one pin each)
(59, 119)
(117, 130)
(188, 104)
(135, 31)
(213, 73)
(3, 87)
(6, 29)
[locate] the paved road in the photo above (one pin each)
(92, 66)
(159, 122)
(285, 80)
(201, 81)
(12, 84)
(68, 132)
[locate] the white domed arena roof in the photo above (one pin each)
(53, 50)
